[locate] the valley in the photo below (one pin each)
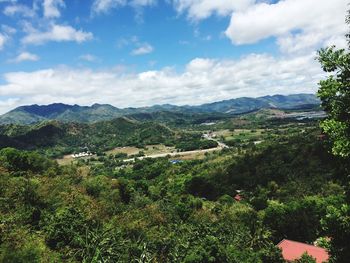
(134, 183)
(174, 131)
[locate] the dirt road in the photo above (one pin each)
(174, 154)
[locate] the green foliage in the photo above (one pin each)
(305, 258)
(335, 96)
(189, 142)
(201, 186)
(275, 170)
(337, 224)
(15, 160)
(65, 138)
(28, 253)
(334, 93)
(67, 227)
(154, 211)
(285, 219)
(95, 185)
(57, 139)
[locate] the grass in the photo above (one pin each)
(67, 159)
(241, 134)
(127, 150)
(158, 149)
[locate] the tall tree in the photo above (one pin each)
(334, 93)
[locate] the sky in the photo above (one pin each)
(131, 53)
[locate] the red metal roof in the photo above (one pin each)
(292, 250)
(238, 197)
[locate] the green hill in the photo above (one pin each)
(102, 112)
(99, 136)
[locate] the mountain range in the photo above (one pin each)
(100, 112)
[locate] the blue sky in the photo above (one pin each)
(144, 52)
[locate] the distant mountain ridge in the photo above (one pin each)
(102, 112)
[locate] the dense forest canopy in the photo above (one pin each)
(156, 211)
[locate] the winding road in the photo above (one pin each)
(206, 136)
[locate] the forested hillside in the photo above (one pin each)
(172, 208)
(156, 211)
(56, 138)
(75, 136)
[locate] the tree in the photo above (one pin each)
(305, 258)
(16, 160)
(337, 224)
(334, 93)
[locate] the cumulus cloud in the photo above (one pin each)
(25, 56)
(203, 80)
(46, 28)
(18, 9)
(57, 33)
(297, 24)
(201, 9)
(143, 49)
(51, 8)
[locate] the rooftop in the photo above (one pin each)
(292, 250)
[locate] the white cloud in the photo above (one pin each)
(51, 8)
(201, 9)
(7, 104)
(8, 29)
(88, 57)
(47, 30)
(3, 39)
(200, 65)
(138, 47)
(18, 9)
(299, 25)
(203, 80)
(58, 33)
(143, 49)
(105, 6)
(25, 56)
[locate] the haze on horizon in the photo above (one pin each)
(145, 52)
